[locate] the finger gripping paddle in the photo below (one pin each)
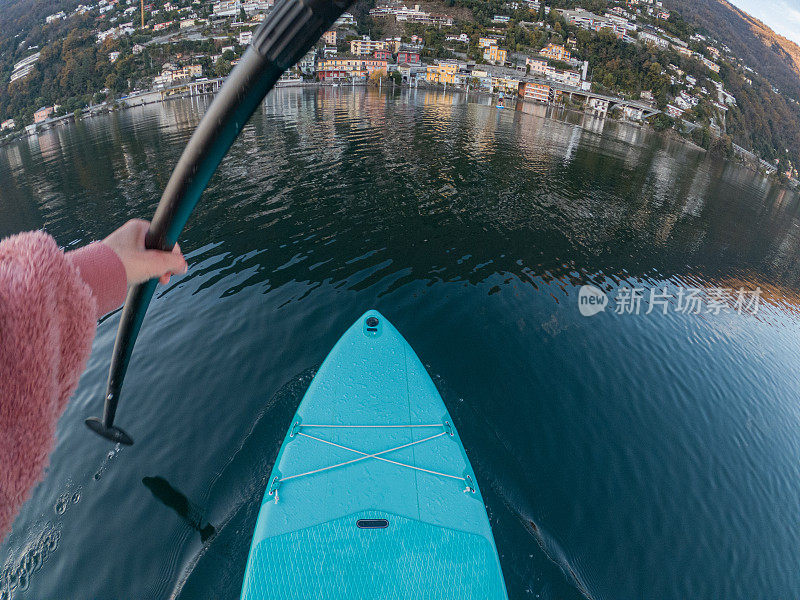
(285, 35)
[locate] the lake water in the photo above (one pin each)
(620, 455)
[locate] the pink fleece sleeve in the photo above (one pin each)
(49, 304)
(103, 271)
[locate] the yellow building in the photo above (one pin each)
(555, 52)
(330, 37)
(486, 42)
(355, 67)
(393, 44)
(505, 84)
(444, 72)
(495, 54)
(366, 46)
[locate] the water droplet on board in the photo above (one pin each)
(76, 497)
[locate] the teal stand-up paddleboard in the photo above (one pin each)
(372, 495)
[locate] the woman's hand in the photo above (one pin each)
(140, 263)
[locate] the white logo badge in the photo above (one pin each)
(591, 300)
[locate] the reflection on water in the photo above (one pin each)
(662, 446)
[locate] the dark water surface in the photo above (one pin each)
(621, 456)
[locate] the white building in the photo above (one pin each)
(651, 38)
(540, 68)
(345, 19)
(24, 67)
(59, 16)
(227, 8)
(410, 15)
(255, 7)
(464, 38)
(113, 56)
(306, 64)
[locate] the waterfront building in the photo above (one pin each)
(505, 84)
(325, 75)
(352, 67)
(539, 67)
(409, 73)
(306, 64)
(43, 113)
(537, 92)
(447, 72)
(597, 105)
(382, 54)
(171, 74)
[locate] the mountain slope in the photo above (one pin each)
(772, 55)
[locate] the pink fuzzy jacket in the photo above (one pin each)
(49, 305)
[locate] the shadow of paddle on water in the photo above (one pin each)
(177, 501)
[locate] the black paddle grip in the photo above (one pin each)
(295, 26)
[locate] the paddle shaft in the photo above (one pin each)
(284, 36)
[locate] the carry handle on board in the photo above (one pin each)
(285, 35)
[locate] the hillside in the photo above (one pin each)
(89, 57)
(772, 55)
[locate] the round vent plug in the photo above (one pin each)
(372, 322)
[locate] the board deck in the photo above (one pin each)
(372, 494)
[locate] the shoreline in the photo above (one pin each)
(156, 96)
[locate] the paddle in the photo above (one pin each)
(285, 35)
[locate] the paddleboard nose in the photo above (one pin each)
(372, 323)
